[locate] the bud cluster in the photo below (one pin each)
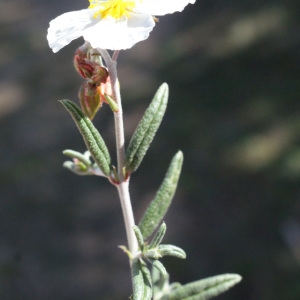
(97, 84)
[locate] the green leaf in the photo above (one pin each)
(162, 200)
(139, 237)
(91, 136)
(205, 289)
(146, 129)
(160, 284)
(141, 278)
(160, 267)
(84, 158)
(159, 235)
(171, 250)
(111, 102)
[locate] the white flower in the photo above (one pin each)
(111, 24)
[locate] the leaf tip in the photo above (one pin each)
(179, 155)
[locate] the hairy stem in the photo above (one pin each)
(123, 185)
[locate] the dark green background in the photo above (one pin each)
(233, 71)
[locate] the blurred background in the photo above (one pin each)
(234, 110)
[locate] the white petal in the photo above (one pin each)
(68, 27)
(119, 34)
(163, 7)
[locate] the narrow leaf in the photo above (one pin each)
(91, 136)
(139, 237)
(160, 267)
(171, 250)
(159, 235)
(141, 279)
(152, 254)
(84, 158)
(162, 200)
(147, 281)
(147, 129)
(137, 280)
(206, 288)
(160, 283)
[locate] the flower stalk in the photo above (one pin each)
(123, 182)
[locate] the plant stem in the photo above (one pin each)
(123, 185)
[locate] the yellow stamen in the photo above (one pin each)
(112, 8)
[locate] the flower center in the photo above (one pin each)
(112, 8)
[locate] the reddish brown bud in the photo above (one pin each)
(90, 99)
(87, 62)
(89, 66)
(100, 75)
(83, 66)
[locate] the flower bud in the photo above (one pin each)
(89, 65)
(83, 66)
(100, 74)
(90, 99)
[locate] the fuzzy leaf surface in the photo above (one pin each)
(141, 278)
(205, 288)
(160, 283)
(91, 136)
(163, 198)
(160, 267)
(159, 235)
(171, 250)
(147, 129)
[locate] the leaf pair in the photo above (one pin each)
(153, 251)
(140, 141)
(142, 281)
